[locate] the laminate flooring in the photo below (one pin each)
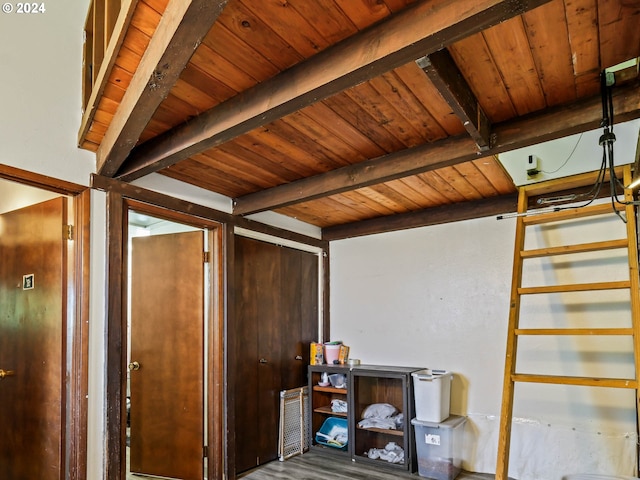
(315, 466)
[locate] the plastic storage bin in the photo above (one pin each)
(432, 393)
(439, 447)
(333, 433)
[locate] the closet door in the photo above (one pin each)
(275, 320)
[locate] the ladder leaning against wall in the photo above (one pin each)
(511, 376)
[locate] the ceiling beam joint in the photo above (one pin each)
(446, 77)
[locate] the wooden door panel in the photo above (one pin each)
(167, 340)
(271, 287)
(32, 322)
(245, 389)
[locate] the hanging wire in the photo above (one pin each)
(607, 139)
(568, 158)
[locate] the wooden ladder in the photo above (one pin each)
(511, 376)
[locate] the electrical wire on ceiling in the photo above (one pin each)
(575, 147)
(607, 139)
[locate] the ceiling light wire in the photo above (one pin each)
(607, 139)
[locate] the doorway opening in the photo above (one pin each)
(172, 344)
(43, 326)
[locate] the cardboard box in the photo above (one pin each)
(317, 354)
(343, 356)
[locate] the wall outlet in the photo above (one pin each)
(533, 166)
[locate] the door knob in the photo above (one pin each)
(134, 366)
(6, 373)
(298, 357)
(263, 360)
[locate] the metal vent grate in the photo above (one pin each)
(294, 421)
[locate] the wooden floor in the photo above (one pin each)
(314, 466)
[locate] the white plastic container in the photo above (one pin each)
(432, 393)
(439, 447)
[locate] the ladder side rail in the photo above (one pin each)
(504, 434)
(632, 234)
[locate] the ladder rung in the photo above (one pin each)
(580, 248)
(576, 287)
(574, 331)
(583, 381)
(590, 211)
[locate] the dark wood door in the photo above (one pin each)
(33, 259)
(167, 342)
(276, 317)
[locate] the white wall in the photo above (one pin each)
(438, 297)
(40, 90)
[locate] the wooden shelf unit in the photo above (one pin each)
(366, 385)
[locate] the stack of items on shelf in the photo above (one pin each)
(381, 415)
(329, 353)
(439, 435)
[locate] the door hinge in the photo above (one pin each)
(67, 233)
(205, 257)
(205, 452)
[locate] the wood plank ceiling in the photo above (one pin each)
(354, 115)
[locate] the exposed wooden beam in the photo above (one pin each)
(549, 125)
(134, 192)
(182, 27)
(421, 29)
(430, 216)
(447, 78)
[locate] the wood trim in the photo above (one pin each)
(78, 381)
(326, 291)
(115, 416)
(229, 468)
(40, 181)
(418, 30)
(154, 198)
(429, 216)
(540, 127)
(181, 30)
(217, 355)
